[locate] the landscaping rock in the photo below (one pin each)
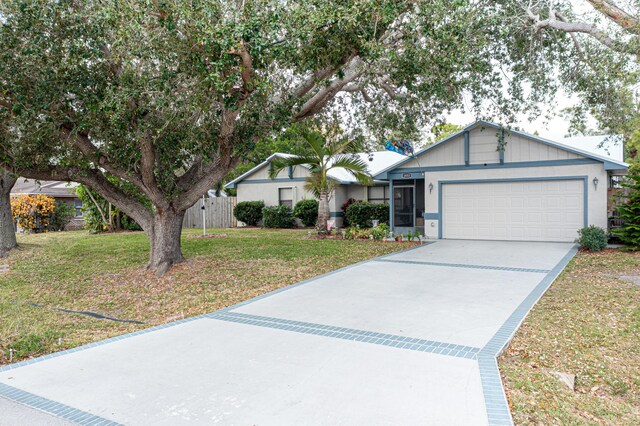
(569, 380)
(4, 268)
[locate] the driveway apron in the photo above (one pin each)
(408, 338)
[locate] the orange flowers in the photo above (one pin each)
(33, 212)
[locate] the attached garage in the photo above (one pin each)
(491, 183)
(521, 210)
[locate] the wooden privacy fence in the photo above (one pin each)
(218, 213)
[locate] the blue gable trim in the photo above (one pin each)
(467, 157)
(519, 164)
(585, 179)
(272, 180)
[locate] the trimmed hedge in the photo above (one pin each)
(277, 217)
(249, 212)
(363, 213)
(306, 211)
(592, 238)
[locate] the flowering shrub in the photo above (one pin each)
(33, 213)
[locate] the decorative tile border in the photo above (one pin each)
(54, 408)
(495, 399)
(461, 265)
(392, 340)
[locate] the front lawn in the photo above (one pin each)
(587, 324)
(105, 274)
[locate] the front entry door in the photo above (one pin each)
(403, 206)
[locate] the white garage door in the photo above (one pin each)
(520, 210)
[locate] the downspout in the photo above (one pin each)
(391, 204)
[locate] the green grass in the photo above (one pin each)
(106, 274)
(587, 324)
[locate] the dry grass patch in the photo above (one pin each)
(587, 324)
(104, 274)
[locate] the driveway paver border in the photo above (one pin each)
(498, 411)
(364, 336)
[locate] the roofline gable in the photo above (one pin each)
(609, 163)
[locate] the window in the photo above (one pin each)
(378, 194)
(285, 197)
(78, 206)
(615, 181)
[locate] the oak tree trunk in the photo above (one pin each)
(164, 235)
(7, 228)
(323, 212)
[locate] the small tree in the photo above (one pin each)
(33, 213)
(321, 156)
(629, 232)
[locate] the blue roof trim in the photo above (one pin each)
(608, 162)
(515, 165)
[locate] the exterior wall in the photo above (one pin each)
(518, 149)
(259, 187)
(450, 153)
(357, 192)
(483, 144)
(263, 173)
(268, 191)
(597, 197)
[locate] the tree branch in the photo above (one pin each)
(617, 15)
(575, 27)
(246, 69)
(324, 95)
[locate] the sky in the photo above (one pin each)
(550, 125)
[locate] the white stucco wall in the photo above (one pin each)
(597, 197)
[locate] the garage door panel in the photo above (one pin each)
(520, 210)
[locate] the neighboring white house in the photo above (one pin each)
(288, 187)
(466, 187)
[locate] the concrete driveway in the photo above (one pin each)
(409, 338)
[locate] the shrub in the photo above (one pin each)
(344, 208)
(249, 212)
(592, 238)
(376, 233)
(278, 217)
(381, 231)
(306, 211)
(33, 213)
(62, 215)
(362, 214)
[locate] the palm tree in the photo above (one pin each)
(321, 156)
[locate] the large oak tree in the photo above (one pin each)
(170, 96)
